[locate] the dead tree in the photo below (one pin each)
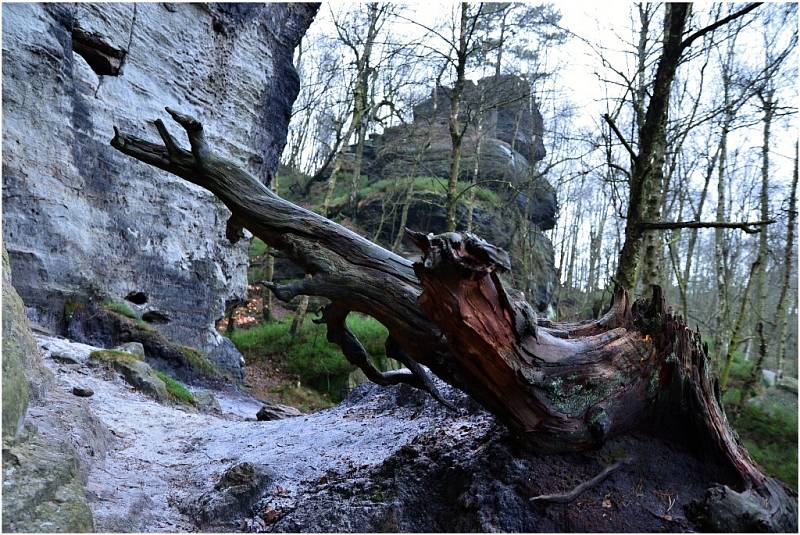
(561, 386)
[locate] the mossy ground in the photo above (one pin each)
(199, 361)
(123, 309)
(309, 356)
(110, 355)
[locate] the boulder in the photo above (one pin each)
(65, 351)
(78, 215)
(134, 348)
(237, 491)
(136, 372)
(82, 392)
(205, 401)
(48, 439)
(276, 411)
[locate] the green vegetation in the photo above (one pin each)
(302, 397)
(70, 307)
(769, 432)
(257, 270)
(198, 360)
(257, 248)
(110, 356)
(124, 310)
(175, 388)
(421, 183)
(121, 308)
(768, 429)
(309, 355)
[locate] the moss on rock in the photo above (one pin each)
(22, 370)
(134, 370)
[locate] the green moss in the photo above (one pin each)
(175, 388)
(143, 326)
(198, 360)
(653, 384)
(574, 398)
(120, 308)
(111, 355)
(70, 307)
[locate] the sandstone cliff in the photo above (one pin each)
(81, 219)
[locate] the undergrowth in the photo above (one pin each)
(309, 355)
(768, 429)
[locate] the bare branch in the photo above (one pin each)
(721, 22)
(746, 226)
(619, 135)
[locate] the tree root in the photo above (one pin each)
(570, 496)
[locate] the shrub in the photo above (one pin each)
(769, 432)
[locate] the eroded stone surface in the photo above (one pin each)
(79, 216)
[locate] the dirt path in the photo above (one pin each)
(164, 456)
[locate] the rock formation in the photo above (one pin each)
(78, 218)
(510, 138)
(47, 441)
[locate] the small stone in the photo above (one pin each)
(82, 392)
(276, 411)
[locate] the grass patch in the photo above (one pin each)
(175, 388)
(309, 355)
(769, 432)
(121, 308)
(257, 248)
(304, 398)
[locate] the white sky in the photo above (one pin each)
(608, 25)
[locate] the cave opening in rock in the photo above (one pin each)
(104, 59)
(137, 298)
(154, 316)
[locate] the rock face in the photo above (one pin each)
(79, 216)
(47, 438)
(510, 137)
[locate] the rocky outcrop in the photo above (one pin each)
(510, 144)
(23, 376)
(78, 217)
(48, 438)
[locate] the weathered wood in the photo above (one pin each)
(563, 386)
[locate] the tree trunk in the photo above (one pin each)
(648, 157)
(563, 387)
(456, 129)
(780, 309)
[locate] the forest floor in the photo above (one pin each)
(384, 459)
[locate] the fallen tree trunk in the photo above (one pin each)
(561, 386)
